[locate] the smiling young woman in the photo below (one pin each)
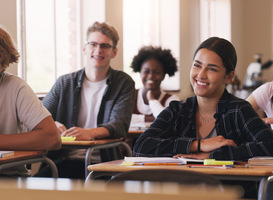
(153, 63)
(212, 124)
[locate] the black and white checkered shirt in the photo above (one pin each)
(174, 130)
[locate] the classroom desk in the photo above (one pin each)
(95, 145)
(28, 157)
(240, 172)
(135, 133)
(68, 189)
(135, 130)
(132, 136)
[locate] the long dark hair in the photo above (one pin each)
(224, 49)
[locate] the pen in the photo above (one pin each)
(162, 163)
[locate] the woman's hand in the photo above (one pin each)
(150, 95)
(199, 156)
(210, 144)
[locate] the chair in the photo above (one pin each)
(166, 175)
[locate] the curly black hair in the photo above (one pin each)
(164, 56)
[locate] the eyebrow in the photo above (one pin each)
(211, 65)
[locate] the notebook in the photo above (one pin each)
(261, 160)
(142, 160)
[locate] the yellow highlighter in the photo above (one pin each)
(217, 162)
(68, 138)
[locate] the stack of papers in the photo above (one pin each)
(142, 160)
(261, 160)
(139, 126)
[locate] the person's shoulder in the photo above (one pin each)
(236, 101)
(268, 86)
(71, 78)
(118, 75)
(72, 74)
(177, 104)
(11, 79)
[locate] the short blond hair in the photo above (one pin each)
(106, 29)
(8, 52)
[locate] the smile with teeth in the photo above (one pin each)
(201, 83)
(150, 81)
(98, 57)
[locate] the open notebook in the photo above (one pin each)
(142, 160)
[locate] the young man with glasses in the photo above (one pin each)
(92, 103)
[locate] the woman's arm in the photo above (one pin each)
(163, 138)
(252, 136)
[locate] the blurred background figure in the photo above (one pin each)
(253, 78)
(153, 63)
(262, 98)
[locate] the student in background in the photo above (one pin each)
(212, 124)
(20, 109)
(93, 103)
(262, 98)
(153, 63)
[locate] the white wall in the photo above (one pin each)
(252, 33)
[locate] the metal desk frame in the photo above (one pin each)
(43, 159)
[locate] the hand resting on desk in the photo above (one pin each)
(206, 146)
(81, 133)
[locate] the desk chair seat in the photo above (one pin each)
(167, 175)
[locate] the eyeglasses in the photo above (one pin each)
(103, 46)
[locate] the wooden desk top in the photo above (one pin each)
(239, 170)
(91, 142)
(68, 189)
(21, 155)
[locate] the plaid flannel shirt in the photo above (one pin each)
(174, 130)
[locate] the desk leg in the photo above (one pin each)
(104, 146)
(127, 148)
(263, 187)
(93, 175)
(88, 159)
(44, 159)
(52, 166)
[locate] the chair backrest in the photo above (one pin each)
(165, 175)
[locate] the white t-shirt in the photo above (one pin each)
(19, 106)
(91, 97)
(154, 107)
(262, 96)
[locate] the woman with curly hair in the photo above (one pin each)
(153, 63)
